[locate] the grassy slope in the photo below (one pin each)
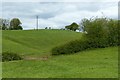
(99, 63)
(36, 42)
(93, 63)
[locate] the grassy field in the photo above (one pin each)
(36, 42)
(96, 63)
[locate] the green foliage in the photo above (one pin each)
(15, 24)
(101, 33)
(7, 56)
(3, 27)
(0, 27)
(74, 26)
(84, 22)
(118, 32)
(20, 28)
(71, 47)
(4, 24)
(113, 32)
(97, 32)
(46, 27)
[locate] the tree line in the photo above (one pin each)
(13, 24)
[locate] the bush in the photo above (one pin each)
(113, 32)
(7, 56)
(101, 33)
(72, 47)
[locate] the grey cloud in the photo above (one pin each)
(27, 10)
(55, 13)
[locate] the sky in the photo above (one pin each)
(57, 14)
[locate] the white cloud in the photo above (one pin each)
(111, 12)
(57, 15)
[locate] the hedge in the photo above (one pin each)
(8, 56)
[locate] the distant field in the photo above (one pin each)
(35, 46)
(34, 42)
(98, 63)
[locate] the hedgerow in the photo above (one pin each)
(101, 33)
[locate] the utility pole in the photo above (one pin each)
(37, 22)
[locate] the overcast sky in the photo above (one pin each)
(57, 14)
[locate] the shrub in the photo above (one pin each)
(113, 32)
(7, 56)
(72, 47)
(101, 33)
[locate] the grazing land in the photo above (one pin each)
(35, 46)
(32, 42)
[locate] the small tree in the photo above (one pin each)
(15, 24)
(84, 22)
(4, 24)
(74, 26)
(46, 28)
(4, 27)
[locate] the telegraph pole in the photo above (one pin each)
(37, 22)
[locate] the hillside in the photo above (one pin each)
(32, 42)
(98, 63)
(36, 45)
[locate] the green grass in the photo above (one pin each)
(98, 63)
(33, 42)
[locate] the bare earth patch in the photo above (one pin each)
(44, 58)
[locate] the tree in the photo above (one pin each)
(113, 32)
(46, 28)
(84, 22)
(74, 26)
(4, 27)
(4, 24)
(20, 28)
(102, 32)
(15, 24)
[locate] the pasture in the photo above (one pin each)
(35, 47)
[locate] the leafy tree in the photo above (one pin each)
(15, 24)
(4, 24)
(113, 32)
(46, 28)
(97, 34)
(84, 22)
(74, 26)
(102, 32)
(4, 27)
